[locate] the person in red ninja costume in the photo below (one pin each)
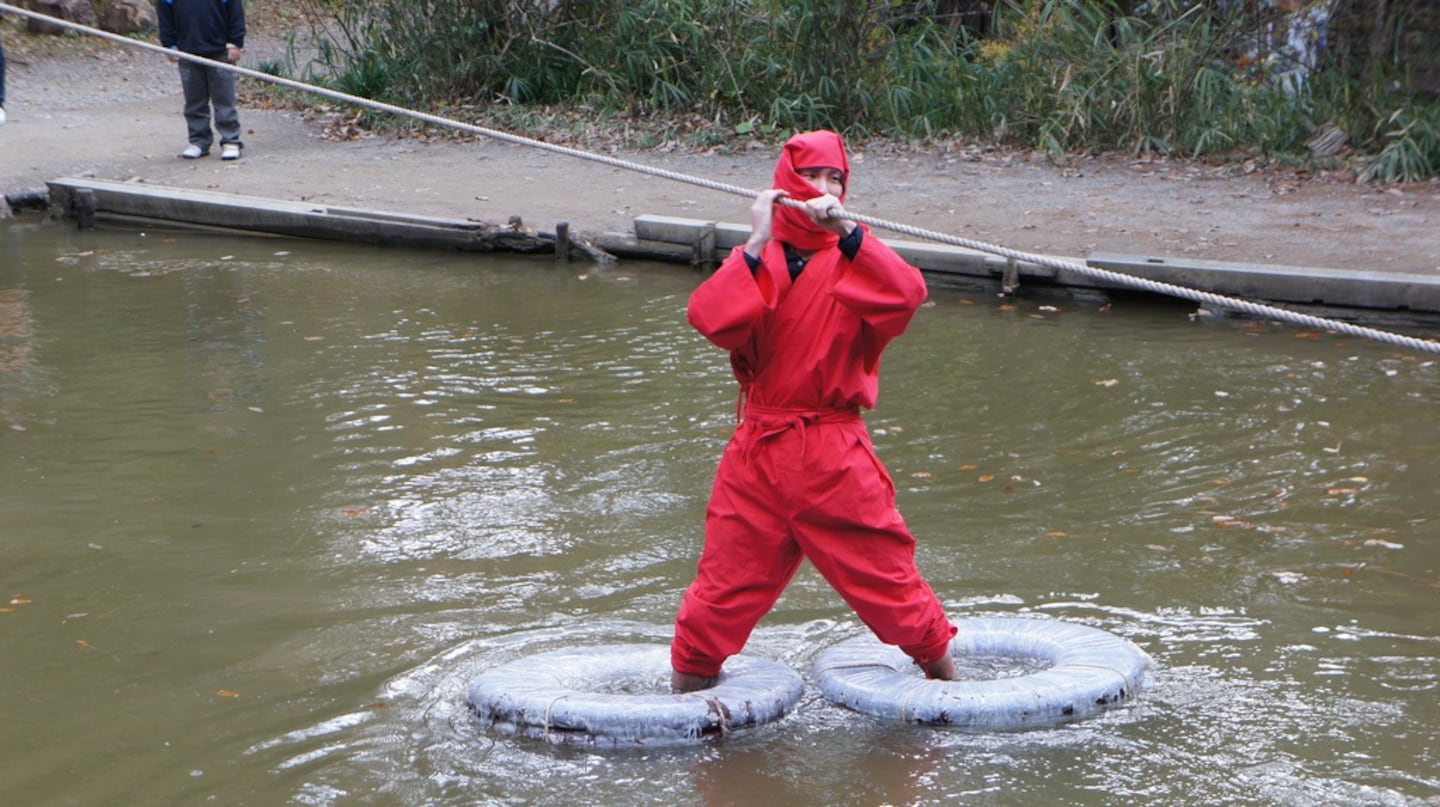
(805, 307)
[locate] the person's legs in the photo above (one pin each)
(747, 561)
(223, 101)
(859, 542)
(197, 104)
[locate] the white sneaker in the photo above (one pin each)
(229, 151)
(193, 152)
(2, 116)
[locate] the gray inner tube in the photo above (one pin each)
(1071, 671)
(612, 696)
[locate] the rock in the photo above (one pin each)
(128, 16)
(76, 11)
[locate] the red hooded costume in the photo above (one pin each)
(799, 477)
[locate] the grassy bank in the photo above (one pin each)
(1062, 76)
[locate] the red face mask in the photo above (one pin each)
(810, 150)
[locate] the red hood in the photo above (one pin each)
(810, 150)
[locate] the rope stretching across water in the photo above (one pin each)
(1118, 278)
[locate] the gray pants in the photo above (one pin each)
(207, 87)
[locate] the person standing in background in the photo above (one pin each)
(214, 29)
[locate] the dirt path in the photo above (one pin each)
(115, 114)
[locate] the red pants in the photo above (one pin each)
(795, 485)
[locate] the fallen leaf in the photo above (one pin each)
(1109, 382)
(226, 693)
(987, 477)
(969, 467)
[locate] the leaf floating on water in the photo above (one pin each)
(969, 467)
(227, 693)
(19, 599)
(1342, 491)
(987, 477)
(1308, 335)
(1108, 382)
(1057, 534)
(1157, 547)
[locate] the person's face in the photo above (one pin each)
(825, 180)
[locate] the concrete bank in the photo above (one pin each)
(1360, 293)
(1353, 295)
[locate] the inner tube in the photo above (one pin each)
(1068, 672)
(612, 696)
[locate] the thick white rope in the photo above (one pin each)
(1118, 278)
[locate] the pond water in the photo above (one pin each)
(267, 506)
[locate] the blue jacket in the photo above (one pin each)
(201, 27)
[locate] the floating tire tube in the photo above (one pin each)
(620, 696)
(1084, 670)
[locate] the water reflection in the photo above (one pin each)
(292, 498)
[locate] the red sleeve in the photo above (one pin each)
(728, 304)
(881, 288)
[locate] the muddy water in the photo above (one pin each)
(267, 506)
